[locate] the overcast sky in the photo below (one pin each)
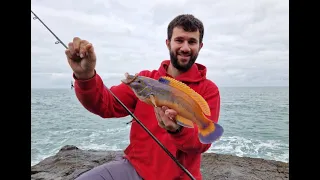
(246, 43)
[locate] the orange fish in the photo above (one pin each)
(189, 105)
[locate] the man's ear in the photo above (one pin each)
(200, 46)
(168, 43)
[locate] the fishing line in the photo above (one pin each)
(124, 106)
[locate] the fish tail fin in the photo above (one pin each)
(210, 133)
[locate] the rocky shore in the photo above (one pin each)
(70, 162)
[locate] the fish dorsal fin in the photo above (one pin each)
(186, 89)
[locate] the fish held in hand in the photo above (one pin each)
(189, 105)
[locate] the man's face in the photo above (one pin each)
(184, 48)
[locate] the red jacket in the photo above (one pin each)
(147, 157)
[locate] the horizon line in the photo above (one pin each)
(219, 87)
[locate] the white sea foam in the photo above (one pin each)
(240, 146)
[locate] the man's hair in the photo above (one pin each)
(188, 22)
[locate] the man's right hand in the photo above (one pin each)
(81, 58)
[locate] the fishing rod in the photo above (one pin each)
(124, 106)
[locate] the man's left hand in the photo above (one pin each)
(165, 117)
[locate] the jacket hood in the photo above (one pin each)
(196, 73)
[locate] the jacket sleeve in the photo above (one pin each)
(187, 139)
(94, 96)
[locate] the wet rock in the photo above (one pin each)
(71, 161)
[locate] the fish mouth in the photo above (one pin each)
(129, 78)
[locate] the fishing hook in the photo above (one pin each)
(131, 114)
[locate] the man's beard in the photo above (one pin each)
(182, 68)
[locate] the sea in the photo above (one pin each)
(255, 120)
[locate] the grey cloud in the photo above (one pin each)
(245, 43)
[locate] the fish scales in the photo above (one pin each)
(166, 95)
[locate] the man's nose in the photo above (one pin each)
(185, 47)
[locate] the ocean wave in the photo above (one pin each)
(240, 146)
(110, 140)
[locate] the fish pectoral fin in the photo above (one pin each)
(184, 122)
(153, 100)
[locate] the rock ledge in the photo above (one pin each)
(71, 161)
